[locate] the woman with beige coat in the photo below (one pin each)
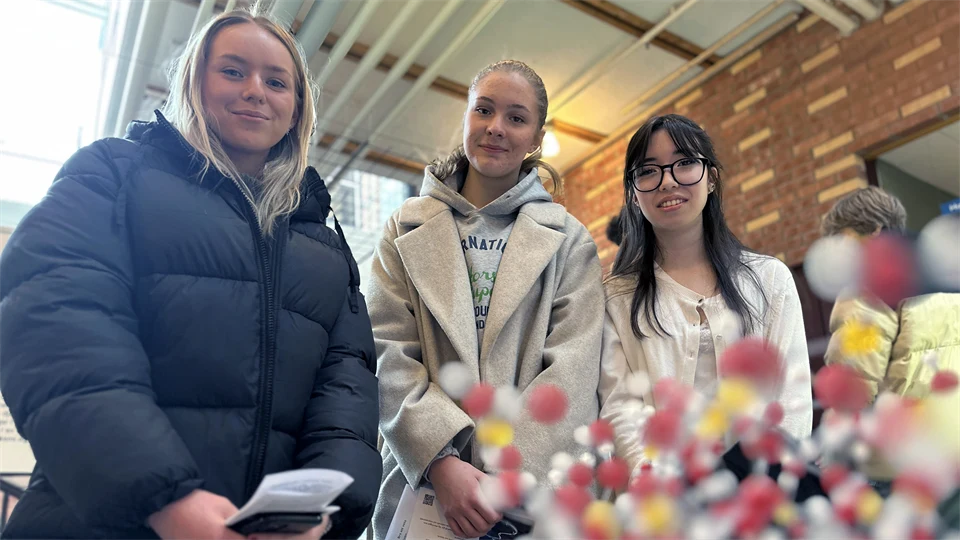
(483, 218)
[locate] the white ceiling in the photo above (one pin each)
(561, 43)
(933, 158)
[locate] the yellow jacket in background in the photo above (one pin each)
(920, 325)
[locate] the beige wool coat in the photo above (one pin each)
(545, 325)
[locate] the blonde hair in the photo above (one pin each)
(288, 159)
(444, 167)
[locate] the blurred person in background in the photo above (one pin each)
(908, 335)
(178, 320)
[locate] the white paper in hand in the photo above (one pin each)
(303, 491)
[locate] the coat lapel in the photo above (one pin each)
(433, 258)
(533, 243)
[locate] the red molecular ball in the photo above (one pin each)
(644, 485)
(671, 394)
(479, 400)
(920, 533)
(753, 359)
(846, 513)
(832, 476)
(601, 431)
(596, 532)
(662, 429)
(573, 499)
(547, 404)
(613, 473)
(510, 480)
(768, 447)
(673, 486)
(944, 381)
(760, 493)
(795, 467)
(510, 458)
(580, 474)
(912, 484)
(840, 387)
(888, 269)
(797, 530)
(773, 414)
(743, 426)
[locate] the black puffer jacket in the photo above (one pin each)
(155, 342)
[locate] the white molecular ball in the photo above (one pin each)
(540, 501)
(582, 436)
(455, 379)
(506, 403)
(937, 251)
(860, 451)
(561, 461)
(493, 491)
(705, 527)
(809, 450)
(832, 265)
(788, 482)
(648, 411)
(638, 384)
(556, 478)
(771, 534)
(490, 455)
(818, 509)
(606, 449)
(527, 482)
(718, 486)
(588, 459)
(626, 506)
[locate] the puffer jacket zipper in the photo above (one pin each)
(267, 342)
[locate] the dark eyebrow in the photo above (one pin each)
(241, 60)
(514, 106)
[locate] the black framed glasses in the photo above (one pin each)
(686, 171)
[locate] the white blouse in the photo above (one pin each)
(682, 354)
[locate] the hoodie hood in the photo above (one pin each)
(528, 189)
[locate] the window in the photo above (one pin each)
(53, 108)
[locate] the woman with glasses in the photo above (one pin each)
(683, 287)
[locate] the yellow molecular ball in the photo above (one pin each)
(857, 338)
(869, 505)
(495, 433)
(713, 424)
(601, 516)
(650, 452)
(657, 515)
(735, 396)
(785, 514)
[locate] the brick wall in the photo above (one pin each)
(792, 119)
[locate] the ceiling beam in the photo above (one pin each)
(447, 86)
(359, 50)
(626, 21)
(572, 130)
(374, 156)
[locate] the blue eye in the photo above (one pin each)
(276, 83)
(231, 72)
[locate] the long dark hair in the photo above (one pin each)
(640, 248)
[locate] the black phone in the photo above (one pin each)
(277, 523)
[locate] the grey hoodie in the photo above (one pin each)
(483, 232)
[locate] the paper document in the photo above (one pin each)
(419, 517)
(303, 491)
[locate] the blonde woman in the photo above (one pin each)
(485, 269)
(178, 321)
